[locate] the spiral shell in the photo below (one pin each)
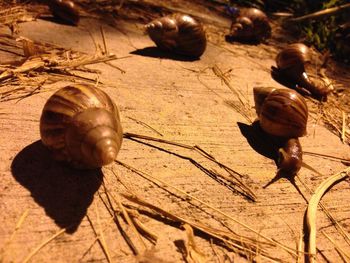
(250, 25)
(291, 63)
(65, 10)
(80, 124)
(281, 112)
(178, 33)
(292, 55)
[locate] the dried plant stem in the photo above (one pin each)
(344, 255)
(17, 227)
(343, 135)
(101, 236)
(246, 112)
(161, 182)
(38, 248)
(227, 239)
(335, 158)
(244, 189)
(98, 238)
(312, 209)
(125, 215)
(320, 14)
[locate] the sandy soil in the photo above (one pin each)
(182, 101)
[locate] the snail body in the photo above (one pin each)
(80, 125)
(178, 33)
(65, 10)
(251, 25)
(291, 63)
(283, 113)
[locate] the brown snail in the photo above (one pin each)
(178, 33)
(251, 25)
(65, 10)
(291, 63)
(283, 114)
(80, 124)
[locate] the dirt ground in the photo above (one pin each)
(169, 98)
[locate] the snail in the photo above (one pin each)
(283, 114)
(251, 25)
(65, 10)
(178, 33)
(80, 124)
(291, 63)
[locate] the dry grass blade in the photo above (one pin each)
(163, 184)
(245, 108)
(234, 183)
(8, 242)
(342, 253)
(312, 209)
(99, 239)
(38, 248)
(50, 63)
(193, 254)
(245, 248)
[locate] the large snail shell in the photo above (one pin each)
(178, 33)
(281, 112)
(80, 124)
(291, 63)
(65, 10)
(251, 25)
(293, 54)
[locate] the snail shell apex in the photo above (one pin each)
(178, 33)
(80, 125)
(282, 113)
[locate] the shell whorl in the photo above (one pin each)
(81, 125)
(250, 25)
(178, 33)
(293, 54)
(282, 112)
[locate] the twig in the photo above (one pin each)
(245, 190)
(161, 182)
(211, 232)
(344, 255)
(312, 209)
(98, 238)
(38, 248)
(320, 14)
(17, 227)
(145, 124)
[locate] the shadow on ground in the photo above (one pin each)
(65, 193)
(155, 52)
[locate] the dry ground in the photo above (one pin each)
(173, 99)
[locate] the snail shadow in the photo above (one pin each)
(155, 52)
(259, 140)
(65, 193)
(55, 20)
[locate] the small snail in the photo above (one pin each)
(178, 33)
(283, 114)
(291, 63)
(80, 124)
(251, 25)
(65, 10)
